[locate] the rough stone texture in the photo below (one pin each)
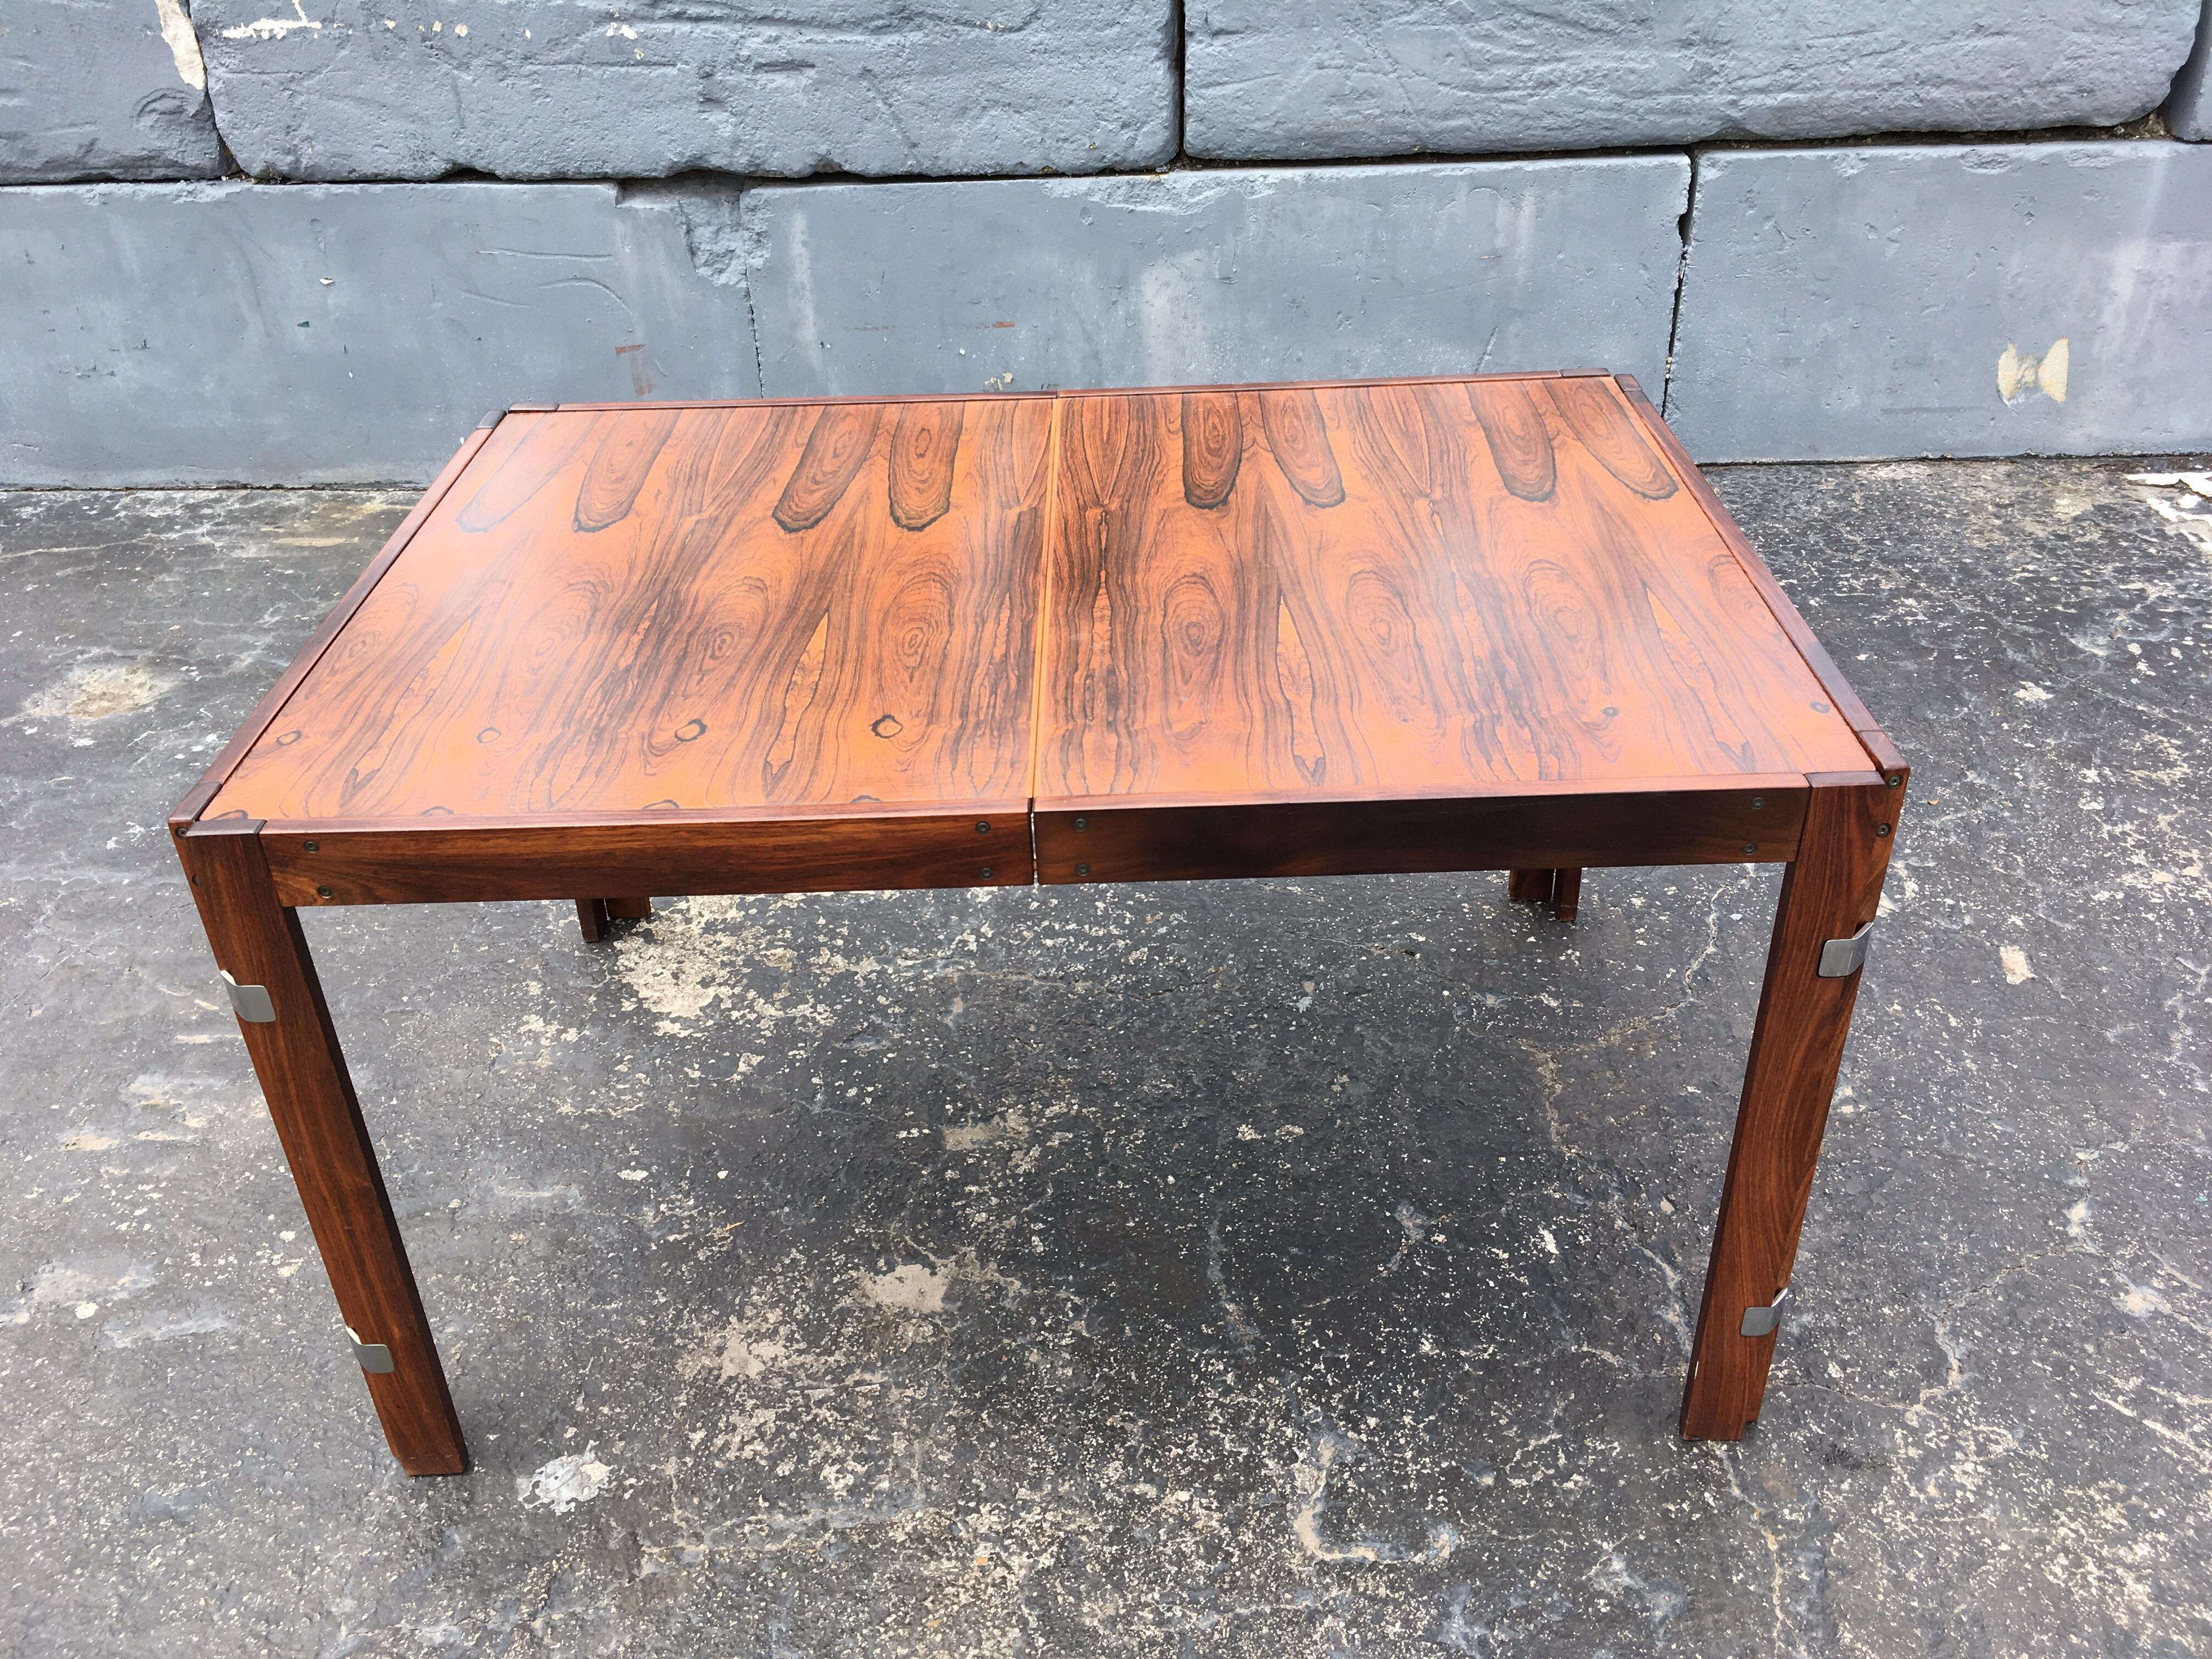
(1387, 77)
(572, 89)
(1211, 277)
(2189, 110)
(266, 334)
(1264, 1270)
(2047, 298)
(102, 89)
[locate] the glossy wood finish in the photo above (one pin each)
(1202, 839)
(445, 861)
(1438, 624)
(242, 741)
(1816, 655)
(1832, 890)
(1425, 588)
(311, 1098)
(786, 606)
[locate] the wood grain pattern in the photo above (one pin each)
(188, 810)
(1833, 889)
(1436, 624)
(310, 1099)
(1341, 591)
(619, 466)
(1520, 443)
(1170, 839)
(766, 850)
(1420, 587)
(1778, 602)
(1594, 412)
(1212, 447)
(1299, 439)
(836, 449)
(638, 610)
(925, 448)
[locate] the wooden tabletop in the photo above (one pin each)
(1366, 592)
(641, 609)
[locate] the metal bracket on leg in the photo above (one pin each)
(1842, 958)
(1763, 1321)
(369, 1356)
(252, 1002)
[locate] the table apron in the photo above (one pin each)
(1331, 838)
(321, 866)
(324, 864)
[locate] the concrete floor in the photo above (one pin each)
(1283, 1269)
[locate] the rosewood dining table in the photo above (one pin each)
(626, 651)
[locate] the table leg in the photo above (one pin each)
(1560, 888)
(1566, 894)
(595, 915)
(1832, 889)
(303, 1076)
(1528, 886)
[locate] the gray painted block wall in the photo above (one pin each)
(1268, 274)
(91, 89)
(2041, 299)
(2189, 110)
(1268, 79)
(249, 333)
(1834, 302)
(576, 88)
(259, 334)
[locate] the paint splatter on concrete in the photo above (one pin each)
(564, 1482)
(910, 1289)
(97, 693)
(2179, 500)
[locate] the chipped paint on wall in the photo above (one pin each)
(273, 28)
(184, 44)
(2020, 376)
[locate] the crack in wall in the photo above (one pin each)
(1686, 226)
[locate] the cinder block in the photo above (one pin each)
(2001, 300)
(2189, 110)
(579, 89)
(275, 334)
(102, 91)
(1286, 274)
(1390, 77)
